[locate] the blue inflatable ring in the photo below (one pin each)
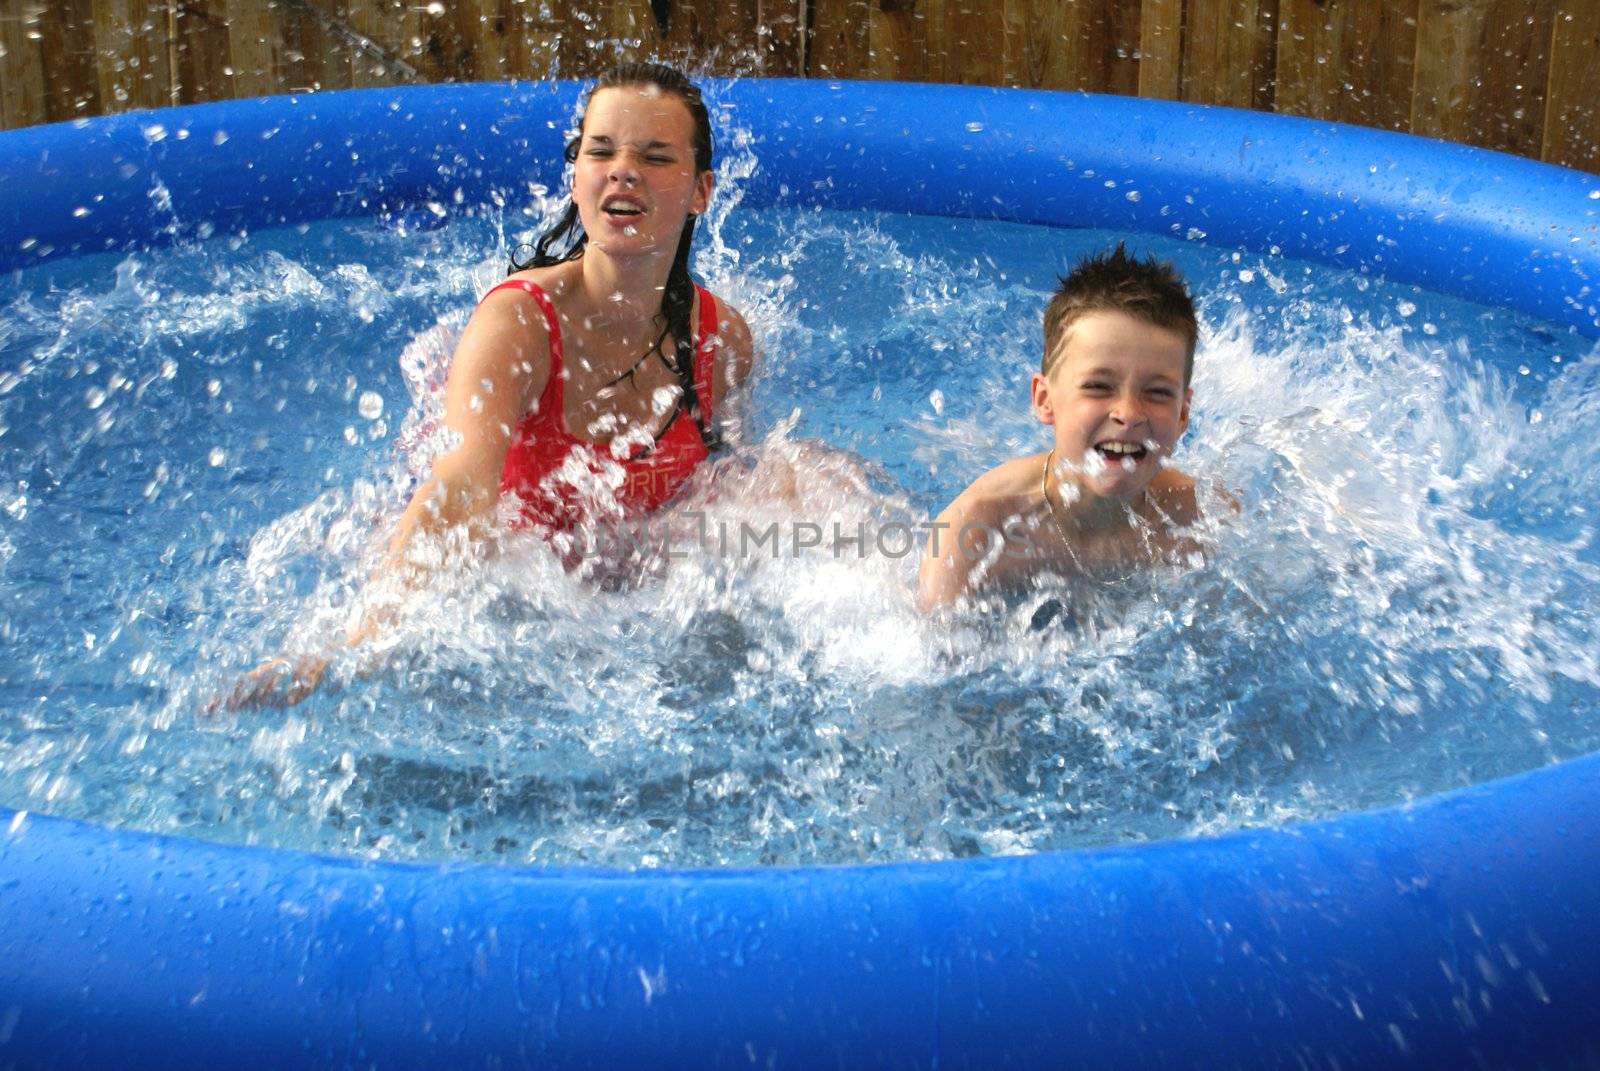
(1457, 931)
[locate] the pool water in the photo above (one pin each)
(200, 458)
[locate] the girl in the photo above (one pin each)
(598, 376)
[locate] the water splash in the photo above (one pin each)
(1399, 605)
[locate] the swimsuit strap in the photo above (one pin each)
(702, 375)
(552, 389)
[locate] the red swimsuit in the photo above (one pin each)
(555, 473)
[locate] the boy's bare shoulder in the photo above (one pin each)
(1173, 493)
(1002, 492)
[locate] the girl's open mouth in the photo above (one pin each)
(623, 210)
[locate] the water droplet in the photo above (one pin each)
(936, 399)
(219, 137)
(217, 456)
(974, 128)
(1406, 308)
(1132, 195)
(370, 404)
(94, 398)
(80, 212)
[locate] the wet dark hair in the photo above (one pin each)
(1116, 281)
(566, 239)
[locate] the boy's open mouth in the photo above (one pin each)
(1118, 451)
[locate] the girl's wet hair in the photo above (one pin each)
(566, 239)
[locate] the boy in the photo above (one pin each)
(1101, 503)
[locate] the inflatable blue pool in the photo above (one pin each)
(1456, 931)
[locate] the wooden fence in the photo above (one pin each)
(1522, 76)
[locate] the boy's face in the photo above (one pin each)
(1117, 401)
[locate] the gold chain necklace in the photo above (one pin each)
(1066, 537)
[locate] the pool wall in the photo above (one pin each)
(1453, 932)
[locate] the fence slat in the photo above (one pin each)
(1449, 37)
(1347, 60)
(379, 22)
(1161, 49)
(1085, 45)
(1572, 95)
(130, 46)
(840, 44)
(67, 37)
(22, 84)
(897, 42)
(1508, 109)
(1482, 67)
(781, 32)
(253, 46)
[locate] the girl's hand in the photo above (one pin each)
(277, 682)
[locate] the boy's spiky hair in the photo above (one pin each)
(1116, 281)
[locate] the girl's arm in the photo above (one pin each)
(732, 368)
(499, 368)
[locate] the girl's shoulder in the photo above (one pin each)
(552, 281)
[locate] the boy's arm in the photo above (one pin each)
(945, 573)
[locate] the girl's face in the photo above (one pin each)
(635, 181)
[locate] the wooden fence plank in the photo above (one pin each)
(841, 38)
(1012, 41)
(1161, 49)
(311, 55)
(1347, 60)
(202, 55)
(254, 46)
(897, 41)
(1309, 56)
(1379, 47)
(780, 28)
(1085, 45)
(1449, 53)
(1228, 52)
(378, 21)
(1572, 94)
(67, 37)
(1482, 66)
(1508, 107)
(1123, 22)
(336, 56)
(23, 99)
(131, 66)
